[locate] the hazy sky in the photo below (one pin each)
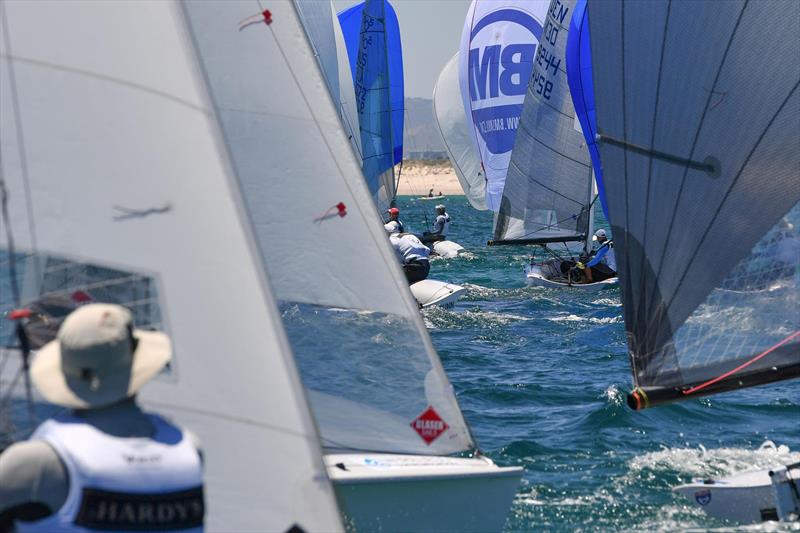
(431, 32)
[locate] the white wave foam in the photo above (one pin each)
(716, 462)
(589, 319)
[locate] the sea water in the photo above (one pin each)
(541, 375)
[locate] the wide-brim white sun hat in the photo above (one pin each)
(98, 359)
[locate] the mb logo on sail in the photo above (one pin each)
(501, 54)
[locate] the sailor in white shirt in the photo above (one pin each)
(442, 222)
(105, 464)
(413, 256)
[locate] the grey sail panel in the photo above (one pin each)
(548, 188)
(701, 165)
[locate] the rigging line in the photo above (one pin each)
(673, 218)
(742, 366)
(328, 147)
(643, 273)
(728, 192)
(625, 288)
(546, 226)
(23, 163)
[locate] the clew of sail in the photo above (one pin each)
(456, 135)
(581, 87)
(118, 189)
(701, 173)
(362, 348)
(372, 36)
(496, 57)
(548, 189)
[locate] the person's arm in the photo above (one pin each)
(34, 483)
(598, 256)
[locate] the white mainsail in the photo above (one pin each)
(354, 327)
(112, 161)
(451, 121)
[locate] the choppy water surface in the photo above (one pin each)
(541, 376)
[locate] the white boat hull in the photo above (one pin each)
(432, 197)
(430, 292)
(746, 498)
(447, 249)
(387, 492)
(533, 276)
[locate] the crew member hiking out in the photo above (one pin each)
(413, 256)
(394, 225)
(604, 264)
(104, 464)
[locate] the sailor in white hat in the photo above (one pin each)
(604, 263)
(442, 222)
(104, 464)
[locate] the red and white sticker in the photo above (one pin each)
(429, 425)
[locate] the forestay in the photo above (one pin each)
(118, 190)
(372, 36)
(498, 47)
(359, 339)
(700, 160)
(548, 190)
(581, 88)
(456, 135)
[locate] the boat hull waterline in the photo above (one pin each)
(533, 276)
(430, 292)
(387, 492)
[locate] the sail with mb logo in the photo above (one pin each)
(498, 48)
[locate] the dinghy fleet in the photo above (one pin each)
(224, 170)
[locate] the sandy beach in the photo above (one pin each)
(418, 177)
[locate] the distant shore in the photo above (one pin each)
(419, 176)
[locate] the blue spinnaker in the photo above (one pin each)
(372, 36)
(579, 77)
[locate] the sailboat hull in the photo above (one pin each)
(386, 492)
(447, 249)
(745, 498)
(429, 292)
(533, 276)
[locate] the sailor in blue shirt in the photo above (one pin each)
(604, 263)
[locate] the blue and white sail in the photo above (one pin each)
(498, 48)
(700, 166)
(372, 37)
(548, 192)
(581, 87)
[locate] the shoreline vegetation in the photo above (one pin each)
(421, 175)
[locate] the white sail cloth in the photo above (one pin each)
(498, 48)
(448, 111)
(111, 155)
(353, 324)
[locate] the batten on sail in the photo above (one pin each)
(124, 193)
(707, 260)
